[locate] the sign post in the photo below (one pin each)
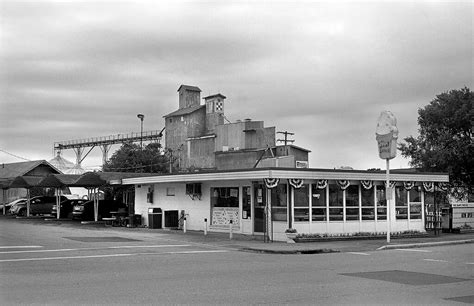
(386, 136)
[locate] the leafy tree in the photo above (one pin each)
(132, 158)
(445, 142)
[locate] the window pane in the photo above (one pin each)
(319, 197)
(381, 200)
(367, 197)
(415, 195)
(335, 196)
(301, 214)
(246, 211)
(259, 194)
(415, 211)
(301, 197)
(352, 213)
(335, 214)
(400, 196)
(381, 213)
(279, 196)
(352, 196)
(402, 212)
(225, 197)
(368, 214)
(279, 213)
(319, 214)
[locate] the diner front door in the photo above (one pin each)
(259, 208)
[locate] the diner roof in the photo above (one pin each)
(290, 173)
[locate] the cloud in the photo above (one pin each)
(323, 70)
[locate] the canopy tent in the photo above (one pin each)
(26, 182)
(93, 181)
(58, 181)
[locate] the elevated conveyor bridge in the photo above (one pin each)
(105, 142)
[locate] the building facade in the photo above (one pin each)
(267, 201)
(199, 138)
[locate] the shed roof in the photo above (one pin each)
(184, 111)
(188, 87)
(214, 96)
(58, 180)
(13, 170)
(25, 181)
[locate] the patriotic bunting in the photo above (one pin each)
(443, 186)
(429, 186)
(367, 184)
(322, 184)
(271, 182)
(343, 184)
(408, 185)
(296, 183)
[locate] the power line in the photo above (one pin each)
(15, 155)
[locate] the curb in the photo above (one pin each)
(424, 244)
(289, 252)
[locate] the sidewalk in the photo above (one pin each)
(256, 244)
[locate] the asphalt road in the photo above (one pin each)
(44, 263)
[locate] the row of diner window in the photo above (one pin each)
(331, 203)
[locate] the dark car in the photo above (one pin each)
(85, 211)
(67, 207)
(40, 205)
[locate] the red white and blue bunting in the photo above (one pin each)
(408, 185)
(443, 186)
(343, 184)
(429, 186)
(367, 184)
(271, 182)
(296, 183)
(322, 184)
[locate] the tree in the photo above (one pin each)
(445, 142)
(131, 158)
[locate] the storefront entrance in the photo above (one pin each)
(259, 208)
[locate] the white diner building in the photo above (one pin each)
(267, 201)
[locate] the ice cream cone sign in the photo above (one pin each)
(386, 135)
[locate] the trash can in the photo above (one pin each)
(155, 216)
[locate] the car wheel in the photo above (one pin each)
(22, 213)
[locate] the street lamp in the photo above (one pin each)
(141, 117)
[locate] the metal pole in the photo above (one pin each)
(387, 187)
(4, 197)
(205, 226)
(141, 134)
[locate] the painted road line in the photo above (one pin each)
(97, 249)
(469, 263)
(195, 252)
(65, 257)
(359, 253)
(20, 246)
(435, 260)
(414, 250)
(105, 256)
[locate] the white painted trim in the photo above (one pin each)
(286, 174)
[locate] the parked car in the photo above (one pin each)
(85, 211)
(67, 207)
(40, 205)
(10, 204)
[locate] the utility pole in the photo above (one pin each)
(286, 140)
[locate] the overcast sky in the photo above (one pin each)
(323, 70)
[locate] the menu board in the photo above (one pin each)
(223, 215)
